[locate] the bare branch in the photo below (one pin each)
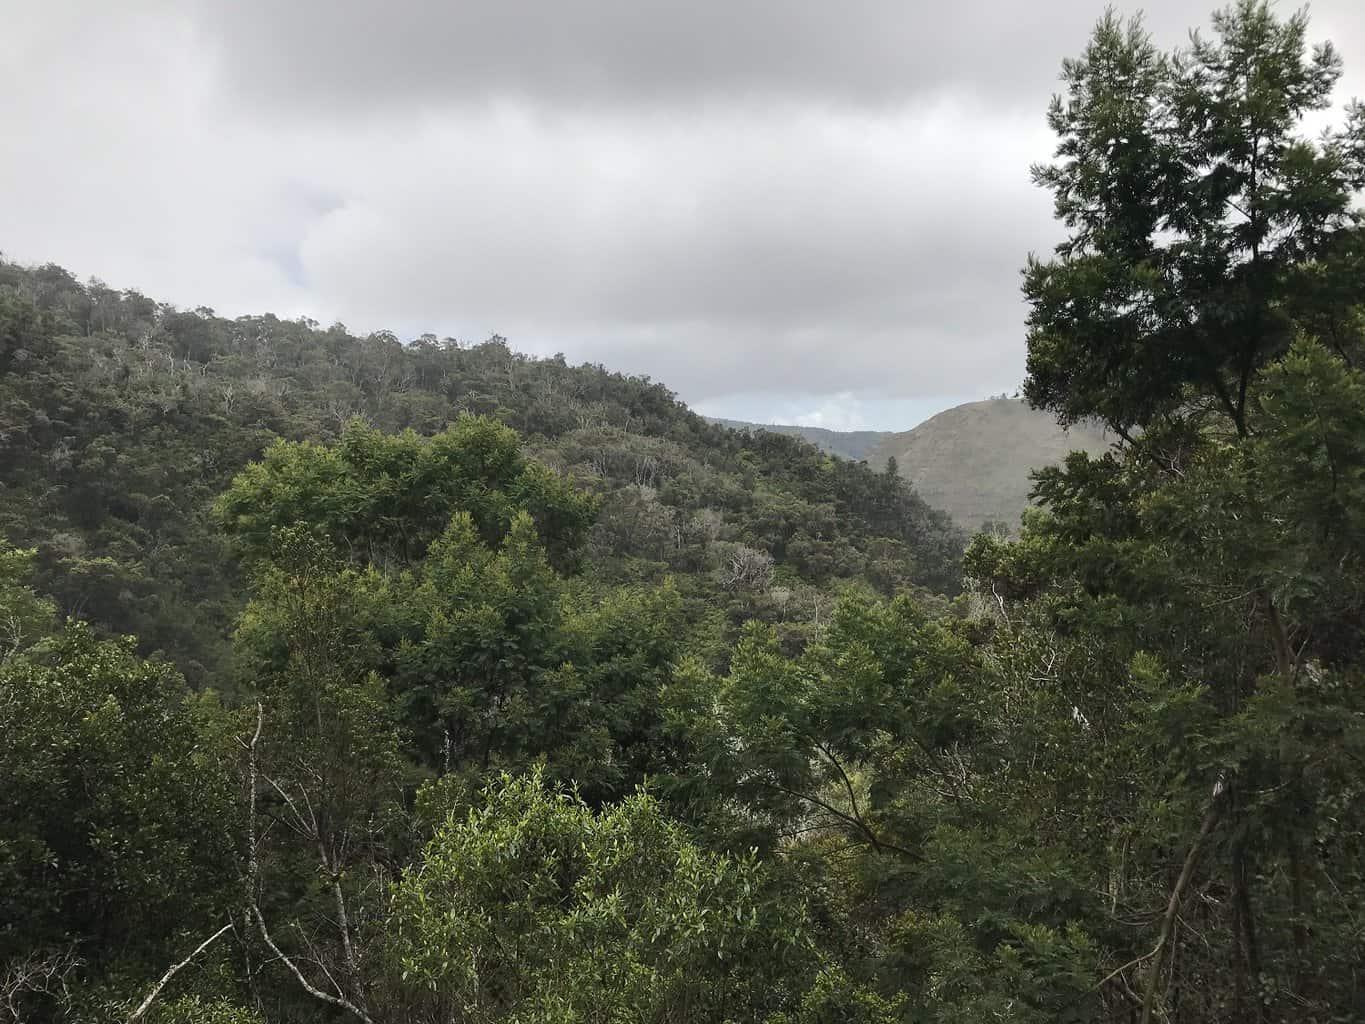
(299, 825)
(253, 863)
(1211, 817)
(317, 993)
(174, 969)
(878, 843)
(36, 974)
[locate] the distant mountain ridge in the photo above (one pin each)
(972, 461)
(857, 445)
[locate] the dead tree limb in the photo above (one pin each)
(253, 870)
(174, 969)
(338, 1001)
(1196, 850)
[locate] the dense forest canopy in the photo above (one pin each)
(122, 421)
(345, 679)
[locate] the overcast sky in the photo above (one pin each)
(784, 210)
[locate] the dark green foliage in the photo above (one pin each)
(1195, 209)
(1196, 605)
(118, 817)
(1198, 593)
(618, 718)
(490, 658)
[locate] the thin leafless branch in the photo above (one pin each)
(171, 972)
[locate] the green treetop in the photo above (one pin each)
(1194, 206)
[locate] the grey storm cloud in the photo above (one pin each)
(858, 51)
(593, 51)
(759, 203)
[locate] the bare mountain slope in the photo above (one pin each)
(973, 461)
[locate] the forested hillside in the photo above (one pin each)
(121, 420)
(579, 709)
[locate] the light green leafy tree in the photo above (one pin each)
(535, 908)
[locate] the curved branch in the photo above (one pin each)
(848, 788)
(1211, 817)
(879, 844)
(338, 1001)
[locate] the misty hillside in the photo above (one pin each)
(973, 461)
(849, 444)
